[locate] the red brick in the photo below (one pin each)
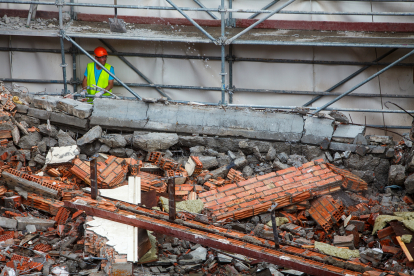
(216, 196)
(227, 198)
(226, 187)
(390, 249)
(311, 169)
(274, 190)
(211, 203)
(246, 182)
(249, 203)
(286, 171)
(302, 177)
(307, 165)
(310, 180)
(290, 175)
(385, 232)
(266, 176)
(235, 191)
(246, 193)
(254, 185)
(206, 194)
(316, 173)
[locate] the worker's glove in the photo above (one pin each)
(83, 93)
(99, 94)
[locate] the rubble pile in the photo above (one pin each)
(347, 212)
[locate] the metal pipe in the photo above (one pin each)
(230, 59)
(230, 40)
(230, 13)
(103, 68)
(268, 60)
(327, 44)
(205, 9)
(209, 13)
(74, 77)
(204, 88)
(223, 55)
(264, 8)
(364, 82)
(351, 76)
(62, 48)
(192, 21)
(134, 68)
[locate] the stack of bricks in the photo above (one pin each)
(62, 216)
(235, 176)
(351, 181)
(198, 165)
(326, 211)
(152, 182)
(24, 264)
(110, 173)
(285, 187)
(45, 204)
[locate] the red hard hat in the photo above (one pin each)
(100, 52)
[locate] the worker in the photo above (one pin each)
(95, 75)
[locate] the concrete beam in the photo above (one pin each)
(133, 115)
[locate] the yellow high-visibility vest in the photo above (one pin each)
(102, 81)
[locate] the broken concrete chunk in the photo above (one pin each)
(61, 155)
(40, 224)
(396, 175)
(64, 139)
(381, 140)
(8, 223)
(271, 154)
(409, 184)
(279, 165)
(339, 116)
(154, 141)
(46, 102)
(316, 130)
(199, 253)
(48, 131)
(29, 141)
(208, 162)
(90, 136)
(113, 140)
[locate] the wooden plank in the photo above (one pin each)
(5, 134)
(404, 248)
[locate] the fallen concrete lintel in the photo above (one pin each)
(207, 120)
(59, 118)
(215, 241)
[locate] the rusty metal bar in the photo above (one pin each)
(272, 210)
(171, 193)
(214, 240)
(94, 178)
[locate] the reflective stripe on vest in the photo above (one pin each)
(102, 81)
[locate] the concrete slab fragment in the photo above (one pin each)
(75, 108)
(40, 224)
(316, 130)
(46, 102)
(348, 131)
(58, 118)
(60, 155)
(190, 119)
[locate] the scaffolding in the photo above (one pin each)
(221, 32)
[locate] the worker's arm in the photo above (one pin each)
(110, 85)
(84, 82)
